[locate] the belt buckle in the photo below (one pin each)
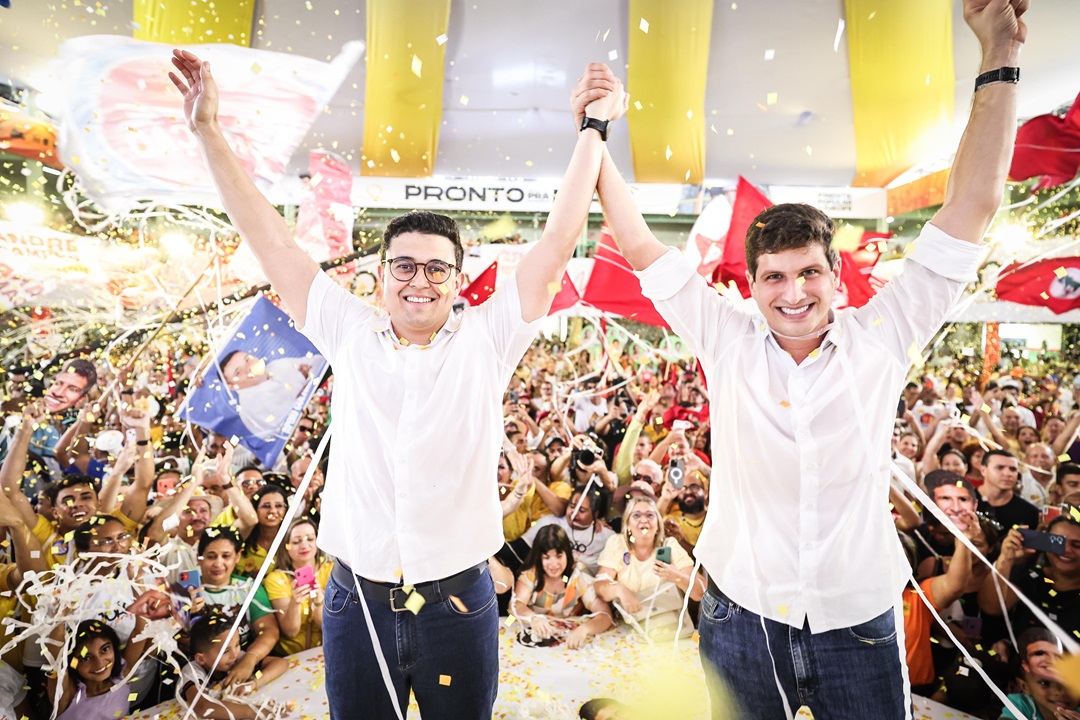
(393, 595)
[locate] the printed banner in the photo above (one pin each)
(124, 134)
(258, 385)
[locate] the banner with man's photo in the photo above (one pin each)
(257, 386)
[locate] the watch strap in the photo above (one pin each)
(601, 126)
(1000, 75)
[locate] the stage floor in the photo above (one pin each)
(552, 683)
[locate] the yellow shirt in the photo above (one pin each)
(516, 523)
(691, 529)
(60, 549)
(8, 608)
(251, 559)
(227, 518)
(278, 586)
(539, 508)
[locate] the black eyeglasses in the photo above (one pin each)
(404, 269)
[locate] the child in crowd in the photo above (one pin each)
(95, 669)
(208, 648)
(554, 586)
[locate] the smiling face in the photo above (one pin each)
(554, 563)
(225, 655)
(1068, 564)
(301, 546)
(96, 657)
(418, 308)
(218, 562)
(74, 505)
(271, 509)
(65, 391)
(908, 446)
(243, 370)
(794, 289)
(955, 501)
(1041, 656)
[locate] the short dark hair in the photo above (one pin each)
(996, 451)
(220, 532)
(85, 532)
(84, 369)
(425, 223)
(1031, 636)
(941, 478)
(89, 630)
(1063, 520)
(1068, 469)
(789, 226)
(207, 628)
(52, 490)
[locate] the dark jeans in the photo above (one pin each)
(448, 658)
(853, 672)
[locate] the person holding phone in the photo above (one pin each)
(643, 573)
(795, 553)
(296, 588)
(1049, 580)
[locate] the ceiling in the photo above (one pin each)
(517, 60)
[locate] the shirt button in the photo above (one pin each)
(402, 494)
(808, 546)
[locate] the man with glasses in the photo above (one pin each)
(417, 407)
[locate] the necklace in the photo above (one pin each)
(693, 524)
(581, 547)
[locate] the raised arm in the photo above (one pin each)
(15, 462)
(540, 272)
(637, 243)
(138, 494)
(977, 180)
(289, 269)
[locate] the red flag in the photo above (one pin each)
(567, 297)
(614, 288)
(749, 201)
(482, 287)
(1053, 283)
(856, 266)
(1048, 145)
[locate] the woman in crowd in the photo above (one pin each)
(271, 503)
(1052, 582)
(219, 551)
(553, 585)
(638, 578)
(299, 605)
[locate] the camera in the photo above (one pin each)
(582, 458)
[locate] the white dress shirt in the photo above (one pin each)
(411, 490)
(799, 526)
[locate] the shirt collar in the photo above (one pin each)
(382, 326)
(834, 331)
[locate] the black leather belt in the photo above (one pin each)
(712, 588)
(395, 595)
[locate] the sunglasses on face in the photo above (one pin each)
(404, 269)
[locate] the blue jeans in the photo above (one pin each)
(424, 651)
(852, 672)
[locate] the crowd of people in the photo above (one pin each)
(604, 481)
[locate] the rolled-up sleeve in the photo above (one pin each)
(949, 257)
(668, 274)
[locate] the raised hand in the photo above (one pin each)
(597, 82)
(199, 89)
(996, 23)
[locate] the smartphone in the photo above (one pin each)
(676, 473)
(683, 425)
(1044, 542)
(305, 577)
(515, 397)
(189, 579)
(130, 436)
(663, 554)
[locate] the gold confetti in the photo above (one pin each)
(441, 40)
(256, 68)
(815, 352)
(667, 153)
(771, 98)
(785, 403)
(1064, 458)
(394, 155)
(510, 620)
(464, 100)
(554, 287)
(417, 66)
(458, 604)
(637, 104)
(643, 26)
(415, 602)
(444, 680)
(1061, 272)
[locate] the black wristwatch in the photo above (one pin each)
(601, 126)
